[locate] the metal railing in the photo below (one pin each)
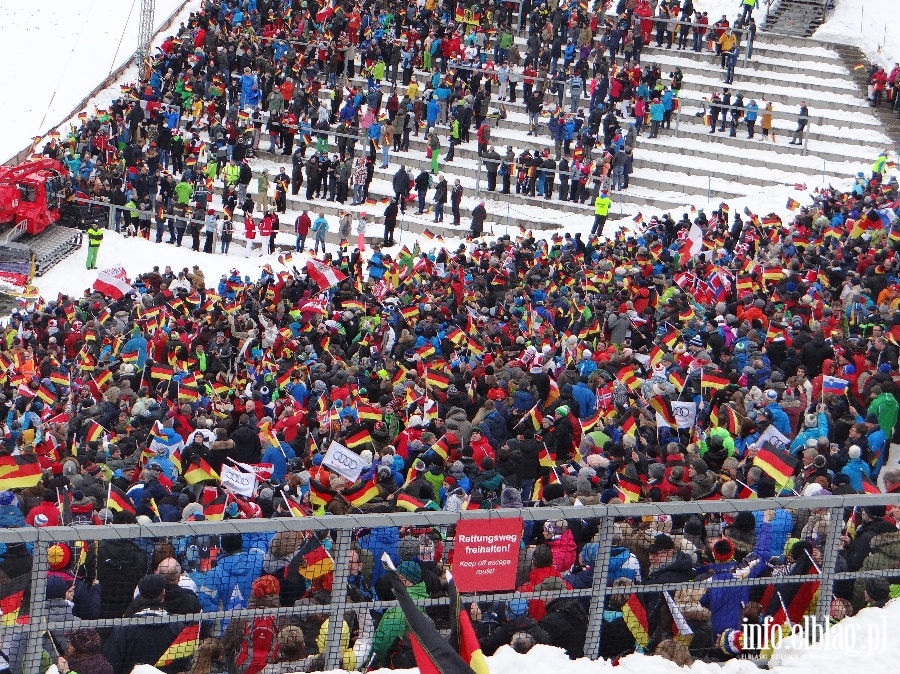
(373, 532)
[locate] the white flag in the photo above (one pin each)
(343, 461)
(238, 481)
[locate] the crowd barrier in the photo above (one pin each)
(31, 566)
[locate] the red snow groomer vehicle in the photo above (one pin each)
(30, 197)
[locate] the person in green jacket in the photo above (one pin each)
(393, 624)
(885, 407)
(95, 236)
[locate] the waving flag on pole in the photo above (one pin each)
(323, 275)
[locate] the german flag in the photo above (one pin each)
(19, 471)
(215, 512)
(629, 489)
(183, 646)
(545, 458)
(663, 407)
(368, 413)
(433, 653)
(409, 313)
(677, 379)
(160, 371)
(316, 562)
(732, 420)
(533, 417)
(656, 355)
(45, 394)
(154, 509)
(635, 616)
(189, 393)
(426, 351)
(671, 339)
(713, 382)
(629, 426)
(868, 486)
(456, 336)
(59, 378)
(11, 605)
(686, 314)
(319, 496)
(293, 507)
(363, 493)
(358, 439)
(745, 492)
(441, 447)
(436, 379)
(628, 378)
(220, 388)
(118, 502)
(463, 634)
(792, 204)
(428, 234)
(772, 274)
(130, 357)
(351, 305)
(200, 471)
(94, 431)
(407, 502)
(777, 464)
(589, 423)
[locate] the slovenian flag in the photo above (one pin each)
(834, 385)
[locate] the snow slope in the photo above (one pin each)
(55, 52)
(867, 24)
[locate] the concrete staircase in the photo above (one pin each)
(669, 172)
(797, 17)
(853, 57)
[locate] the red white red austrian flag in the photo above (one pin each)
(324, 275)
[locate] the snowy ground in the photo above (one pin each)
(55, 52)
(870, 25)
(861, 643)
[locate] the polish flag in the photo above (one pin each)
(113, 282)
(323, 275)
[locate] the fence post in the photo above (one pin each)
(478, 178)
(598, 590)
(341, 555)
(829, 564)
(37, 619)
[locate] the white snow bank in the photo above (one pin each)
(56, 51)
(868, 24)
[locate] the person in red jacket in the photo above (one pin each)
(542, 577)
(481, 448)
(249, 233)
(47, 509)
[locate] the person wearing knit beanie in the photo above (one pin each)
(723, 550)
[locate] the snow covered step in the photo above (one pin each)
(762, 153)
(754, 74)
(834, 105)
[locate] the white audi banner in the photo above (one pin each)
(343, 461)
(238, 481)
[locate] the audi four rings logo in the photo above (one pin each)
(681, 412)
(345, 460)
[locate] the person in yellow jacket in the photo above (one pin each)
(230, 173)
(95, 236)
(727, 42)
(601, 210)
(879, 167)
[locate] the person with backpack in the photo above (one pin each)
(251, 644)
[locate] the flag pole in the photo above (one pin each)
(108, 497)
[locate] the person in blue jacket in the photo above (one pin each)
(856, 468)
(815, 426)
(137, 343)
(585, 397)
(777, 415)
(279, 457)
(228, 585)
(726, 604)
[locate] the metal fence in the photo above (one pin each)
(340, 619)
